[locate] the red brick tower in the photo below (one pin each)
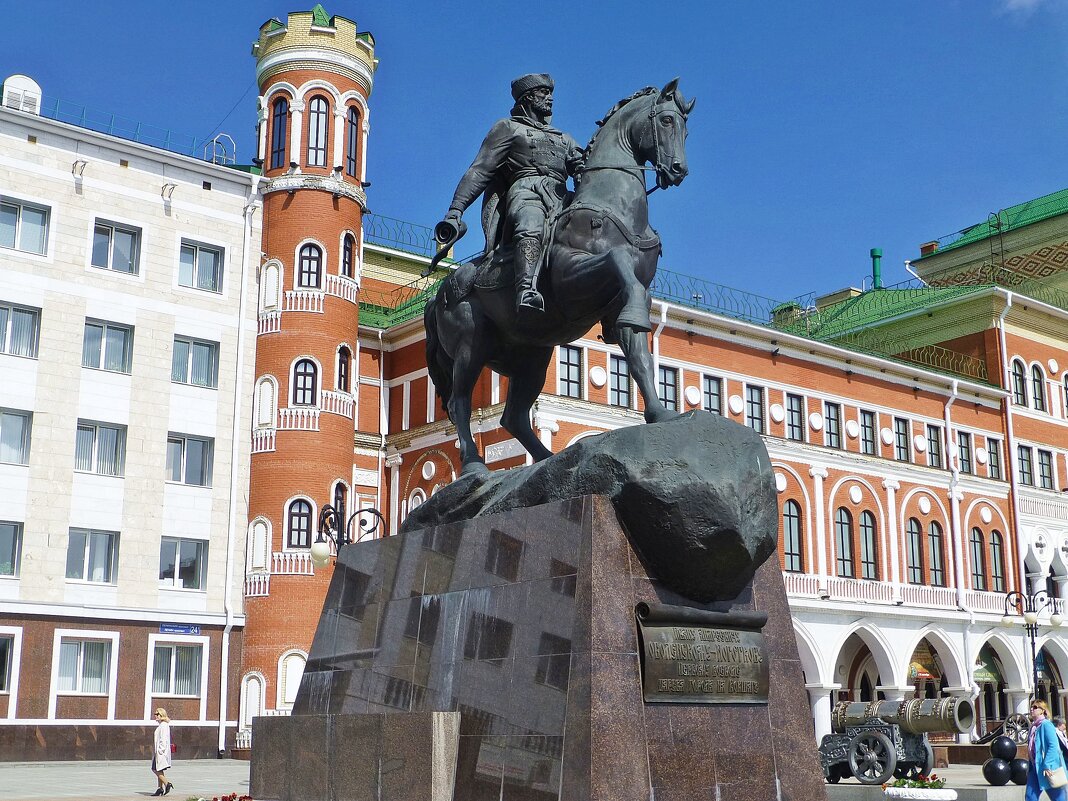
(315, 73)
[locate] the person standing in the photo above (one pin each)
(1044, 752)
(161, 751)
(1062, 735)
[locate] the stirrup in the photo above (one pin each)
(530, 299)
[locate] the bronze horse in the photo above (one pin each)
(601, 258)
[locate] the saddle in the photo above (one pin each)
(495, 272)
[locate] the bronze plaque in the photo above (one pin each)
(692, 663)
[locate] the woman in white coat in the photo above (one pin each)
(161, 751)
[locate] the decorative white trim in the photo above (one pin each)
(16, 662)
(58, 635)
(178, 639)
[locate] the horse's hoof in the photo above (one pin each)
(474, 469)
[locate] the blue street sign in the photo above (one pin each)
(178, 628)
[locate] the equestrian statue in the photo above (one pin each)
(556, 263)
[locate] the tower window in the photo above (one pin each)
(279, 120)
(304, 379)
(348, 255)
(352, 149)
(311, 263)
(318, 112)
(343, 358)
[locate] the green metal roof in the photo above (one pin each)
(1014, 217)
(320, 17)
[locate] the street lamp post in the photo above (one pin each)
(1029, 605)
(334, 528)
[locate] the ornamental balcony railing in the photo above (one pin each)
(1043, 504)
(263, 440)
(298, 418)
(924, 595)
(292, 563)
(337, 403)
(257, 585)
(243, 739)
(341, 287)
(304, 300)
(981, 601)
(865, 590)
(269, 322)
(804, 584)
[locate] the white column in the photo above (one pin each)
(263, 115)
(296, 132)
(546, 427)
(363, 147)
(818, 474)
(892, 486)
(960, 551)
(393, 462)
(892, 693)
(339, 138)
(1019, 699)
(819, 701)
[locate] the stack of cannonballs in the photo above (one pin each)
(1003, 764)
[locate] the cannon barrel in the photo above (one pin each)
(954, 714)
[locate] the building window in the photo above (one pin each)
(23, 226)
(791, 537)
(344, 359)
(7, 647)
(348, 255)
(997, 562)
(279, 121)
(993, 448)
(290, 671)
(341, 493)
(10, 551)
(832, 432)
(299, 524)
(100, 448)
(106, 346)
(318, 112)
(901, 439)
(712, 394)
(182, 563)
(305, 375)
(195, 362)
(189, 459)
(619, 382)
(754, 408)
(1019, 383)
(1045, 469)
(1066, 394)
(15, 436)
(554, 664)
(1027, 471)
(488, 638)
(795, 417)
(116, 247)
(978, 560)
(200, 267)
(843, 536)
(570, 369)
(176, 670)
(964, 451)
(1038, 388)
(311, 264)
(92, 555)
(352, 149)
(19, 327)
(867, 432)
(915, 551)
(934, 446)
(934, 539)
(84, 666)
(869, 560)
(667, 387)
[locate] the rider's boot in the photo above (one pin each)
(527, 255)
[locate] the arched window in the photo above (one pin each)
(934, 537)
(914, 549)
(318, 113)
(997, 562)
(265, 402)
(869, 560)
(843, 536)
(299, 525)
(1038, 388)
(348, 255)
(1066, 394)
(279, 122)
(304, 381)
(290, 671)
(344, 359)
(251, 700)
(978, 560)
(258, 545)
(352, 143)
(1019, 383)
(309, 273)
(270, 286)
(341, 494)
(791, 537)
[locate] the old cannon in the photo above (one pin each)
(874, 741)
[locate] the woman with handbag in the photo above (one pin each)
(161, 751)
(1046, 764)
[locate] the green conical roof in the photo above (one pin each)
(320, 17)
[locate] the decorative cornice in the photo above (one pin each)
(322, 59)
(291, 182)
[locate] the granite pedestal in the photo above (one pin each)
(523, 623)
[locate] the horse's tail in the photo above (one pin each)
(438, 362)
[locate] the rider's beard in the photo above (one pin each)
(541, 108)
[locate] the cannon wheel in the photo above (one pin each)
(872, 757)
(913, 770)
(1017, 727)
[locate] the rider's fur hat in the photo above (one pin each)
(524, 83)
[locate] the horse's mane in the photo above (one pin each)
(648, 90)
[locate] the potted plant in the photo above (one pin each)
(923, 786)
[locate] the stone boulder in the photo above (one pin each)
(696, 496)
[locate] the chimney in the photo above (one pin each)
(876, 267)
(927, 248)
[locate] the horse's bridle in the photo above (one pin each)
(634, 170)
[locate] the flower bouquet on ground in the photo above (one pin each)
(923, 786)
(230, 797)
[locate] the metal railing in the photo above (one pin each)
(696, 293)
(394, 233)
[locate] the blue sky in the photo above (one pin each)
(822, 129)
